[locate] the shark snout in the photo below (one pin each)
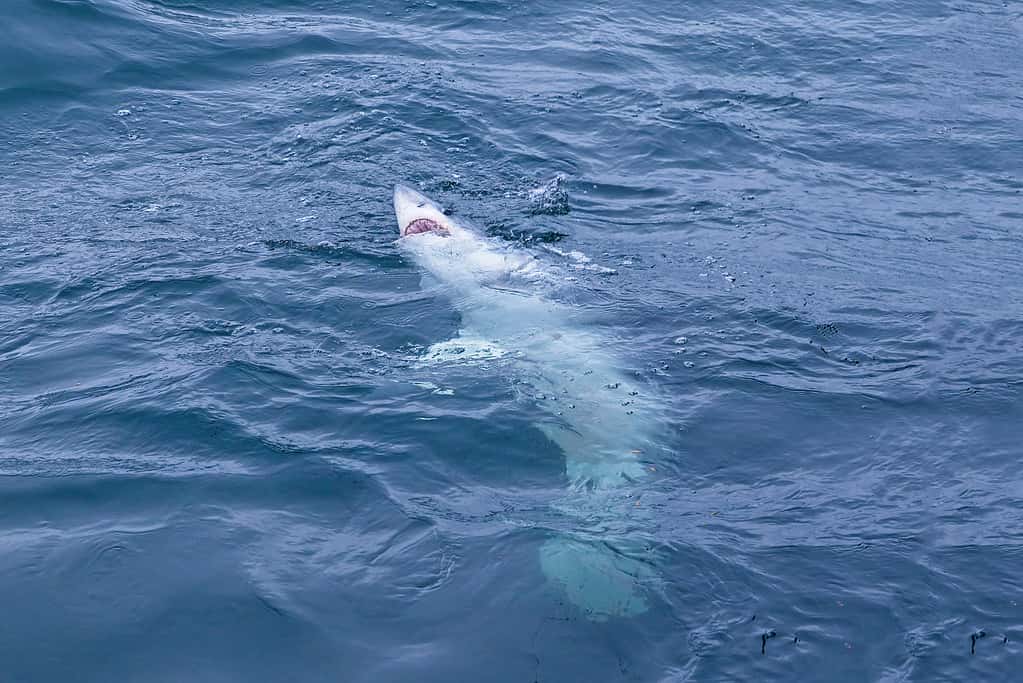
(405, 195)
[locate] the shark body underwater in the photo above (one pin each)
(593, 412)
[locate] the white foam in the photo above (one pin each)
(463, 349)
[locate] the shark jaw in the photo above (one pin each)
(417, 214)
(421, 225)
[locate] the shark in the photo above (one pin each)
(594, 411)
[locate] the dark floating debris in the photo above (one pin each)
(973, 640)
(764, 637)
(550, 199)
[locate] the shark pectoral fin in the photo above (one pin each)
(596, 578)
(603, 473)
(590, 466)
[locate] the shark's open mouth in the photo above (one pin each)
(421, 225)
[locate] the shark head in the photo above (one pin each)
(454, 254)
(418, 214)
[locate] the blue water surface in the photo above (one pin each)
(800, 225)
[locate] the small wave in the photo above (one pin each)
(580, 261)
(322, 248)
(514, 233)
(550, 199)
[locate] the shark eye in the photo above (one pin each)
(420, 205)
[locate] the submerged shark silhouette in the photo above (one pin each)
(601, 422)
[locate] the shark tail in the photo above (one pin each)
(597, 578)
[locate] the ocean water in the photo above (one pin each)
(222, 457)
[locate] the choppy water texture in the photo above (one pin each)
(223, 460)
